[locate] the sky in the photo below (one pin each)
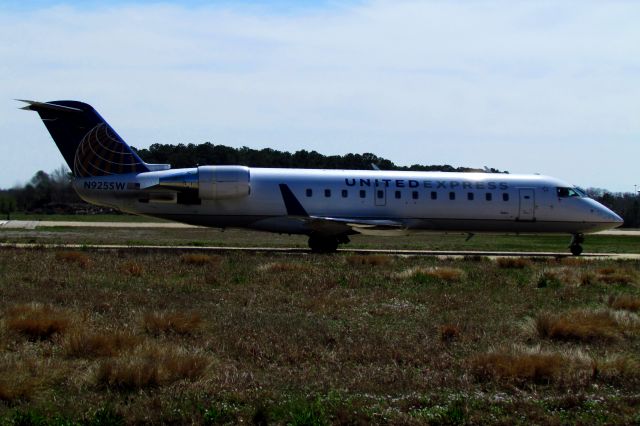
(550, 87)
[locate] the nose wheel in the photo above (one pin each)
(576, 244)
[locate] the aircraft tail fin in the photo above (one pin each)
(87, 142)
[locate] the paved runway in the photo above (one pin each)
(296, 250)
(33, 224)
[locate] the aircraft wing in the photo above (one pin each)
(337, 225)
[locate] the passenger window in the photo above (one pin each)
(380, 193)
(452, 195)
(434, 195)
(363, 193)
(327, 193)
(414, 195)
(470, 196)
(488, 196)
(345, 193)
(309, 192)
(505, 196)
(398, 195)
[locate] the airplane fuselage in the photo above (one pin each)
(468, 202)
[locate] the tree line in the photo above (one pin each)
(53, 193)
(190, 155)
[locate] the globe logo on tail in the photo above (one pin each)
(102, 153)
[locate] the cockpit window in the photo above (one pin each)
(569, 192)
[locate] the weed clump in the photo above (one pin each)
(75, 257)
(513, 263)
(93, 345)
(37, 322)
(521, 366)
(150, 367)
(133, 269)
(548, 279)
(449, 332)
(445, 274)
(611, 275)
(200, 259)
(182, 323)
(283, 267)
(626, 303)
(579, 326)
(617, 369)
(15, 391)
(370, 260)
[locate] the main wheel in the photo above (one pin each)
(576, 249)
(323, 244)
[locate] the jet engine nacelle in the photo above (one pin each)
(219, 182)
(211, 182)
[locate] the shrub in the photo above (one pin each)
(79, 258)
(36, 322)
(171, 322)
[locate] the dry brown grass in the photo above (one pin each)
(513, 263)
(284, 267)
(580, 326)
(150, 367)
(132, 268)
(611, 275)
(200, 259)
(446, 274)
(182, 323)
(626, 303)
(369, 260)
(100, 344)
(449, 332)
(617, 369)
(523, 366)
(74, 257)
(15, 391)
(617, 278)
(37, 321)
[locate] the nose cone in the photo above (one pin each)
(610, 217)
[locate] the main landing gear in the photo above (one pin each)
(326, 244)
(575, 245)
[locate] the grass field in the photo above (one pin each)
(115, 337)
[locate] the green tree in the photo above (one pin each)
(7, 205)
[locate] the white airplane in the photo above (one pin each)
(326, 205)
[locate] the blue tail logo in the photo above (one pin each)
(102, 153)
(88, 144)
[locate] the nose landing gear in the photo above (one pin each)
(575, 245)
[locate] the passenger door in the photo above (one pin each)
(527, 205)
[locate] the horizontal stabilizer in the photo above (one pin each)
(39, 106)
